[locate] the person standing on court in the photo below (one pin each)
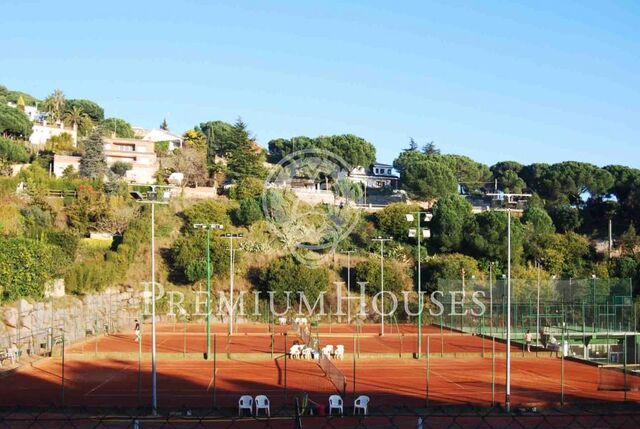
(527, 340)
(137, 330)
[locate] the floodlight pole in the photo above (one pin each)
(154, 380)
(232, 260)
(509, 197)
(208, 227)
(593, 276)
(539, 263)
(507, 399)
(418, 215)
(382, 241)
(152, 203)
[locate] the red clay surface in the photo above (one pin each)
(534, 381)
(408, 343)
(392, 382)
(178, 342)
(255, 338)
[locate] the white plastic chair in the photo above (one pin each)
(339, 354)
(262, 403)
(335, 403)
(294, 351)
(306, 353)
(327, 350)
(245, 403)
(361, 403)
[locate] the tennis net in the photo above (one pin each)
(334, 374)
(619, 377)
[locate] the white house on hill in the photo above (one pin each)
(160, 135)
(378, 175)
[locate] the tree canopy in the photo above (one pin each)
(354, 150)
(120, 127)
(92, 109)
(14, 123)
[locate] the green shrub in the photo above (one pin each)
(249, 187)
(288, 274)
(248, 213)
(369, 272)
(26, 265)
(13, 152)
(90, 276)
(161, 148)
(67, 240)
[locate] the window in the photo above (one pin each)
(388, 171)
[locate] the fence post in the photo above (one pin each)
(624, 351)
(562, 363)
(215, 363)
(354, 367)
(482, 333)
(285, 367)
(184, 337)
(428, 368)
(95, 333)
(441, 337)
(140, 366)
(62, 381)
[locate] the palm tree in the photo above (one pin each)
(76, 116)
(54, 105)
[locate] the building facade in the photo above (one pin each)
(139, 153)
(43, 131)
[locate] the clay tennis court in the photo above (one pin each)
(191, 342)
(389, 382)
(256, 338)
(114, 383)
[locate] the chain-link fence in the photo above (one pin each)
(296, 416)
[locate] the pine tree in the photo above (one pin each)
(93, 163)
(164, 125)
(430, 149)
(245, 160)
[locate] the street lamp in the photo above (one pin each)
(152, 198)
(419, 232)
(208, 228)
(382, 241)
(232, 260)
(348, 253)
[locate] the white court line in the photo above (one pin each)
(211, 381)
(106, 381)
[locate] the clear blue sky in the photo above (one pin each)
(528, 81)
